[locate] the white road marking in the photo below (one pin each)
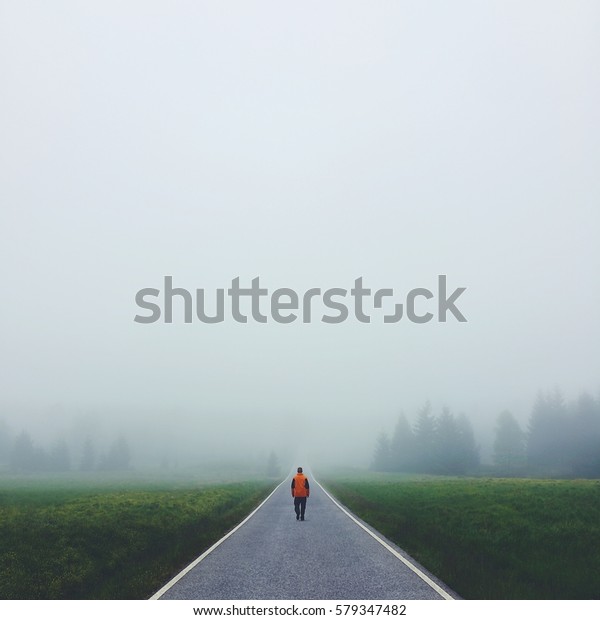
(199, 559)
(408, 563)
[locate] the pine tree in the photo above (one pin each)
(585, 453)
(118, 457)
(5, 442)
(23, 455)
(447, 455)
(88, 458)
(549, 435)
(59, 459)
(425, 440)
(402, 446)
(273, 470)
(509, 445)
(41, 459)
(467, 447)
(381, 458)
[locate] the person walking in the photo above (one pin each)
(300, 492)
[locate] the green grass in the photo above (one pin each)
(118, 539)
(488, 538)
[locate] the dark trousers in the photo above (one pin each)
(300, 506)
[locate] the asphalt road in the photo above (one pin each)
(328, 557)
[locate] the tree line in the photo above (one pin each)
(22, 455)
(564, 438)
(436, 445)
(561, 440)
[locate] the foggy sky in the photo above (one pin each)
(309, 144)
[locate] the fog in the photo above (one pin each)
(308, 144)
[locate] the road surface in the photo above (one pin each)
(329, 556)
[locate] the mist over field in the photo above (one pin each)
(308, 145)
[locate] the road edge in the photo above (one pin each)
(156, 596)
(444, 593)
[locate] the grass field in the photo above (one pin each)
(78, 538)
(488, 538)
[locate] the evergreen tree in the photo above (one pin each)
(509, 445)
(41, 459)
(585, 453)
(23, 454)
(381, 458)
(118, 457)
(467, 447)
(59, 459)
(425, 440)
(5, 443)
(549, 435)
(402, 446)
(447, 456)
(88, 458)
(273, 469)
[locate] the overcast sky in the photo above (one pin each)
(309, 144)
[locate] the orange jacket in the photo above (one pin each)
(300, 486)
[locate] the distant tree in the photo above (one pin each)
(23, 458)
(467, 446)
(447, 453)
(5, 442)
(402, 446)
(120, 454)
(165, 462)
(118, 457)
(273, 469)
(88, 458)
(509, 445)
(425, 440)
(381, 457)
(549, 435)
(41, 459)
(585, 452)
(59, 459)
